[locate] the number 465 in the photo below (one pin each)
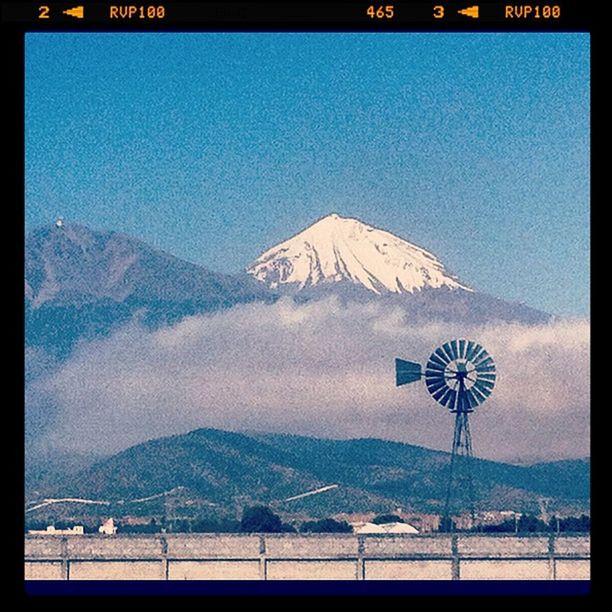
(381, 12)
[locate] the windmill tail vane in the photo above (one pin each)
(406, 372)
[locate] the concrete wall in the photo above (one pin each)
(307, 557)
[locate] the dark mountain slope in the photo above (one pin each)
(231, 469)
(82, 283)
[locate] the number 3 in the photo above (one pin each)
(438, 12)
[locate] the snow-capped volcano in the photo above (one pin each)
(336, 249)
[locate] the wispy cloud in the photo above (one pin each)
(321, 369)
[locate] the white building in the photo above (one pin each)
(51, 530)
(384, 528)
(108, 527)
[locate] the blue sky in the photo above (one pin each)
(215, 147)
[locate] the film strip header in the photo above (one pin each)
(434, 15)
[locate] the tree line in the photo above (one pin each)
(261, 519)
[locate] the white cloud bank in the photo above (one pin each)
(319, 369)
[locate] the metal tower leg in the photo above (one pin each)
(460, 469)
(446, 519)
(468, 466)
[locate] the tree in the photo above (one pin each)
(61, 524)
(447, 525)
(387, 518)
(35, 524)
(531, 524)
(327, 525)
(580, 523)
(210, 525)
(179, 526)
(150, 527)
(204, 525)
(505, 527)
(260, 519)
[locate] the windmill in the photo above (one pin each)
(459, 375)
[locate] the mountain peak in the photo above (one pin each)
(336, 249)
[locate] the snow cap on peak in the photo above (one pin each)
(339, 248)
(331, 218)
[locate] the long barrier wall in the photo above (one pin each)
(308, 557)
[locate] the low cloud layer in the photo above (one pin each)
(319, 369)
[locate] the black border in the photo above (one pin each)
(586, 16)
(309, 588)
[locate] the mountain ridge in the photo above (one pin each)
(82, 283)
(73, 263)
(230, 469)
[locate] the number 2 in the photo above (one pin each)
(43, 12)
